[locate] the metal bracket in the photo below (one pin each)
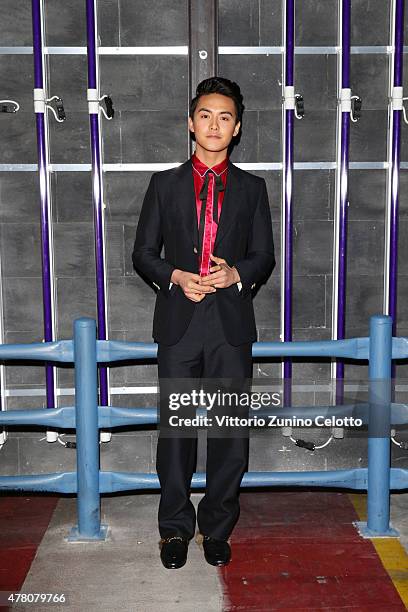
(60, 108)
(356, 104)
(41, 102)
(94, 104)
(299, 107)
(293, 101)
(350, 104)
(110, 111)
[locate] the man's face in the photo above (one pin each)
(214, 122)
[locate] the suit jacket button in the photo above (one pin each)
(195, 249)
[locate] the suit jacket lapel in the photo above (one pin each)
(230, 203)
(187, 206)
(186, 200)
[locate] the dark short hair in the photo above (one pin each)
(222, 86)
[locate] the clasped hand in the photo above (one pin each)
(195, 287)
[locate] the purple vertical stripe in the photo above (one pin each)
(97, 199)
(288, 224)
(290, 41)
(97, 195)
(288, 229)
(90, 33)
(46, 268)
(345, 133)
(399, 42)
(98, 225)
(393, 265)
(288, 178)
(342, 269)
(44, 196)
(345, 42)
(343, 178)
(395, 167)
(37, 44)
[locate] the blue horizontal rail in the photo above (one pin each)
(350, 479)
(62, 350)
(60, 482)
(113, 482)
(110, 417)
(88, 482)
(62, 418)
(354, 348)
(117, 350)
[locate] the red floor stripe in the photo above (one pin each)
(23, 522)
(300, 551)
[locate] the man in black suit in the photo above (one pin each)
(214, 222)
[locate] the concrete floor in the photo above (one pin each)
(125, 571)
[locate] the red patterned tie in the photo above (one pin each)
(209, 212)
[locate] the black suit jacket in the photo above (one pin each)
(244, 239)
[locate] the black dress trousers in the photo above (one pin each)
(202, 352)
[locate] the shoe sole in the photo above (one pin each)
(174, 566)
(221, 564)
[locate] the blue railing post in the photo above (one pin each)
(87, 434)
(378, 489)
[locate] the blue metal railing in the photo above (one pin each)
(88, 482)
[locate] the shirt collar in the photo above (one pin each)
(202, 168)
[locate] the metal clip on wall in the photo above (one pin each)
(60, 108)
(94, 104)
(356, 104)
(303, 444)
(59, 105)
(9, 106)
(299, 107)
(41, 102)
(110, 111)
(350, 104)
(294, 102)
(311, 446)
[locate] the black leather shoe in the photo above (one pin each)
(216, 552)
(173, 553)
